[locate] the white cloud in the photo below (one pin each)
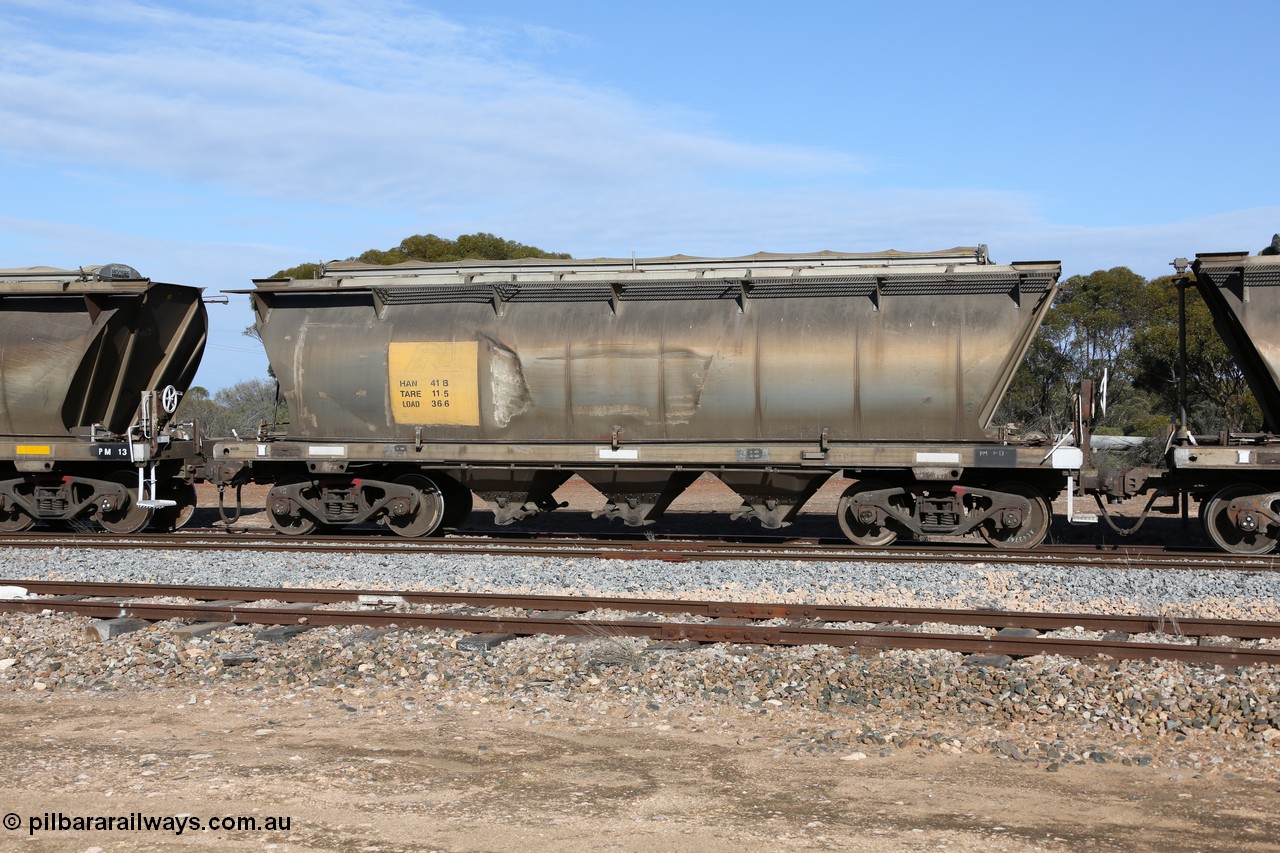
(212, 146)
(380, 105)
(230, 356)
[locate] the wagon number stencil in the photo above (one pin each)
(434, 382)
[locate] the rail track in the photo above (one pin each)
(668, 549)
(497, 617)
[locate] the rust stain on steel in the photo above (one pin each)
(697, 632)
(664, 556)
(720, 609)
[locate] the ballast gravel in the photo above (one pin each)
(1203, 593)
(815, 701)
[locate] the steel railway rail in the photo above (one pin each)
(665, 549)
(1016, 633)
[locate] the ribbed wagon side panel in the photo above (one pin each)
(717, 351)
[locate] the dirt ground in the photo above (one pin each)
(384, 773)
(373, 775)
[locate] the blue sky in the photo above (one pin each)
(211, 143)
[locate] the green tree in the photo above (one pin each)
(1088, 331)
(481, 245)
(251, 403)
(198, 405)
(1038, 399)
(306, 270)
(1219, 398)
(433, 249)
(1095, 317)
(241, 408)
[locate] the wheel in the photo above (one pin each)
(426, 518)
(1228, 537)
(170, 518)
(292, 525)
(1034, 527)
(288, 518)
(126, 517)
(15, 520)
(457, 502)
(870, 535)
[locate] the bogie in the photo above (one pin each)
(1013, 515)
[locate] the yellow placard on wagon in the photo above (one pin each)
(434, 383)
(34, 450)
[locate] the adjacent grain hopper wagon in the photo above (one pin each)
(1237, 476)
(92, 364)
(412, 386)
